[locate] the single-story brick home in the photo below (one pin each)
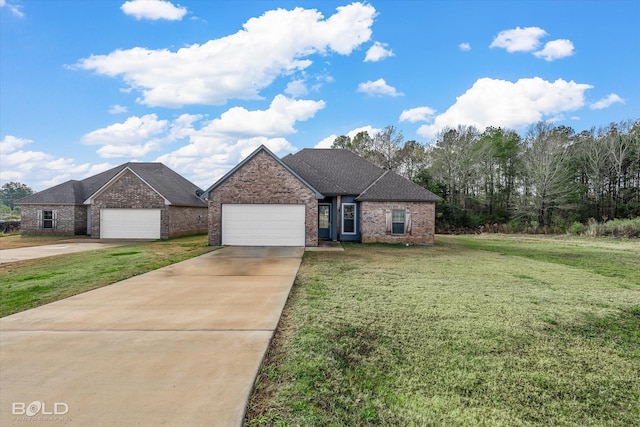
(317, 194)
(130, 201)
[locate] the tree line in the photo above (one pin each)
(545, 180)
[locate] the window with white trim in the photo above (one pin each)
(398, 221)
(47, 219)
(348, 218)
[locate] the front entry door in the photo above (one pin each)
(324, 221)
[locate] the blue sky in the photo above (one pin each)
(198, 85)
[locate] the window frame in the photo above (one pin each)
(395, 222)
(355, 219)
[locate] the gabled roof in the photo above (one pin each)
(392, 187)
(337, 171)
(264, 149)
(334, 171)
(175, 189)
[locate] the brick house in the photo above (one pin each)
(317, 194)
(133, 200)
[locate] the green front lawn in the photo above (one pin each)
(31, 283)
(489, 330)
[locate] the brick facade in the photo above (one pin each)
(373, 217)
(184, 220)
(128, 191)
(263, 180)
(71, 219)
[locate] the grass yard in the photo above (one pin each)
(28, 284)
(481, 330)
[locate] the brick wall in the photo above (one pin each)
(71, 219)
(187, 220)
(263, 180)
(128, 191)
(374, 222)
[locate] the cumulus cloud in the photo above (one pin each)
(514, 105)
(118, 109)
(15, 9)
(378, 88)
(278, 119)
(519, 39)
(131, 130)
(606, 102)
(209, 148)
(528, 40)
(11, 143)
(153, 10)
(38, 169)
(418, 114)
(296, 88)
(465, 47)
(378, 52)
(239, 65)
(555, 49)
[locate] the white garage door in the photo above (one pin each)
(130, 223)
(263, 225)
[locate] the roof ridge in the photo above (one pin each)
(385, 171)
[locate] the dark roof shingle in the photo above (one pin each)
(393, 187)
(333, 171)
(172, 186)
(337, 171)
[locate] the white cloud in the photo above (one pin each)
(11, 143)
(378, 52)
(154, 10)
(519, 39)
(15, 9)
(118, 109)
(296, 88)
(37, 169)
(465, 47)
(606, 102)
(418, 114)
(514, 105)
(277, 120)
(378, 88)
(239, 65)
(130, 131)
(209, 148)
(555, 49)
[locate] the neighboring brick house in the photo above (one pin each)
(317, 194)
(133, 200)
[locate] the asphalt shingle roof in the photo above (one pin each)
(333, 171)
(171, 185)
(393, 187)
(337, 171)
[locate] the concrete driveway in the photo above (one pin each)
(179, 346)
(32, 252)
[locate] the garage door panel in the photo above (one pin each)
(130, 223)
(263, 225)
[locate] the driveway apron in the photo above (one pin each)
(177, 346)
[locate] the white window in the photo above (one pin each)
(397, 221)
(348, 218)
(47, 219)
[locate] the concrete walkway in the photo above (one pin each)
(179, 346)
(32, 252)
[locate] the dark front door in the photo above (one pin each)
(324, 221)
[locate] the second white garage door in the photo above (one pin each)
(263, 225)
(130, 223)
